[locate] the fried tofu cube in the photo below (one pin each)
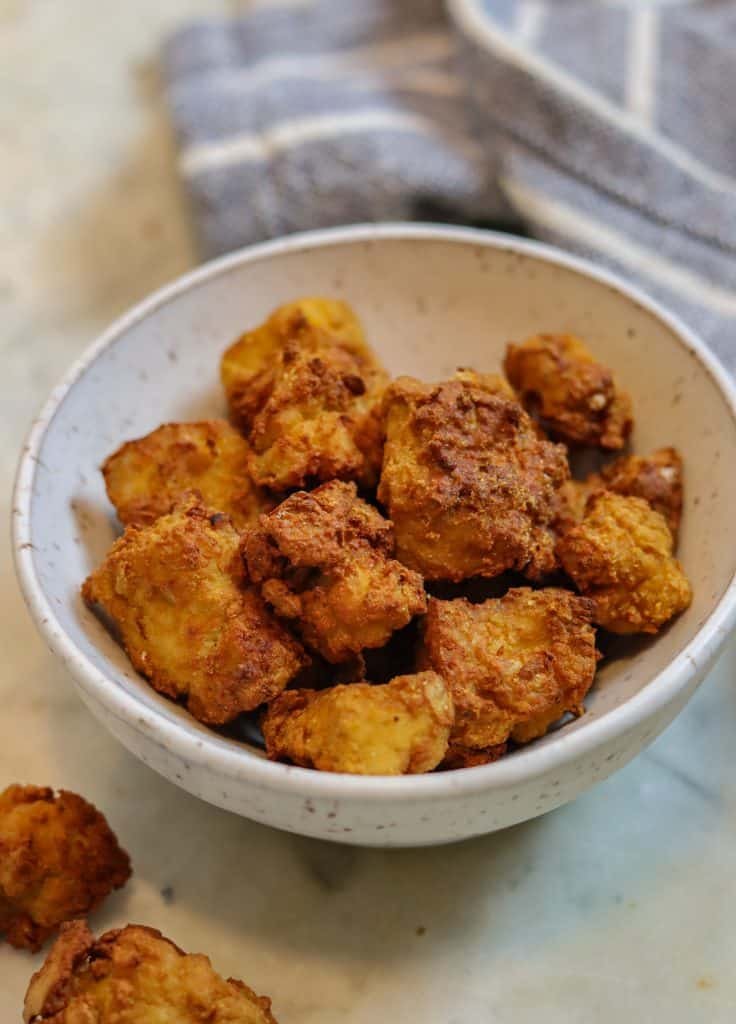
(469, 485)
(145, 478)
(397, 728)
(576, 397)
(135, 976)
(175, 590)
(657, 478)
(307, 389)
(321, 420)
(570, 501)
(459, 756)
(58, 859)
(247, 365)
(514, 665)
(620, 556)
(323, 560)
(493, 383)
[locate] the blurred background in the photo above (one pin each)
(91, 214)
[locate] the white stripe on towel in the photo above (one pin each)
(249, 148)
(275, 4)
(586, 230)
(642, 70)
(528, 22)
(490, 37)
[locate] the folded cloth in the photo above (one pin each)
(607, 128)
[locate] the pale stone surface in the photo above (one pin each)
(615, 908)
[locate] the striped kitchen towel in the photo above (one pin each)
(606, 127)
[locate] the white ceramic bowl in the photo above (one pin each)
(431, 298)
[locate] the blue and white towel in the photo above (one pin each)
(606, 127)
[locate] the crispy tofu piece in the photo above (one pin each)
(514, 665)
(58, 859)
(323, 560)
(570, 502)
(576, 397)
(493, 383)
(247, 366)
(657, 478)
(469, 485)
(145, 478)
(176, 593)
(398, 728)
(307, 389)
(620, 556)
(458, 756)
(135, 976)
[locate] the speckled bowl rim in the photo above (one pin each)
(226, 756)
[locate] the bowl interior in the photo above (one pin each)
(429, 304)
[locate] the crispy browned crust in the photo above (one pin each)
(514, 664)
(468, 483)
(323, 560)
(397, 728)
(175, 591)
(620, 556)
(570, 502)
(46, 995)
(458, 756)
(577, 398)
(657, 478)
(134, 975)
(493, 383)
(321, 421)
(145, 478)
(247, 366)
(307, 389)
(58, 859)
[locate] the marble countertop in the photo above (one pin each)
(615, 908)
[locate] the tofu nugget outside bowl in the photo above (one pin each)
(431, 299)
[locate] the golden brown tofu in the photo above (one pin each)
(175, 591)
(248, 364)
(620, 556)
(398, 728)
(514, 664)
(468, 484)
(321, 421)
(58, 859)
(493, 383)
(458, 756)
(657, 478)
(145, 478)
(323, 560)
(570, 502)
(135, 976)
(577, 399)
(307, 389)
